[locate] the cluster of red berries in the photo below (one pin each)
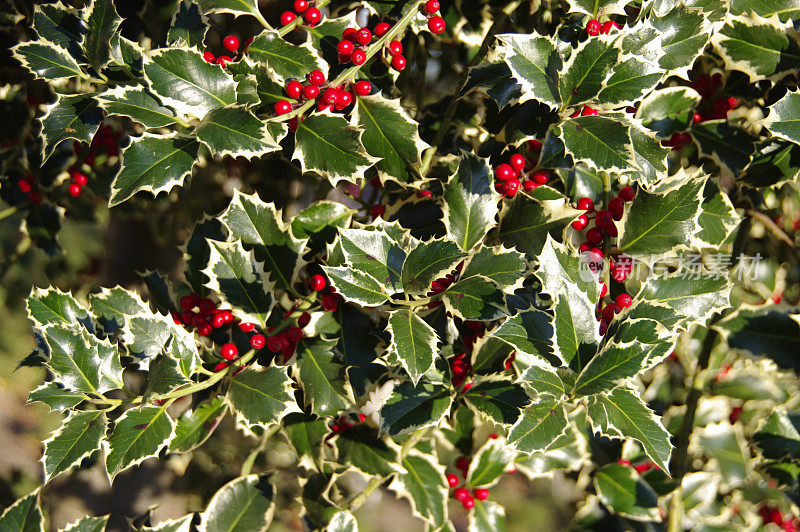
(771, 514)
(642, 468)
(330, 299)
(436, 24)
(507, 176)
(461, 367)
(475, 330)
(584, 111)
(606, 312)
(79, 180)
(231, 44)
(207, 317)
(351, 51)
(593, 27)
(310, 13)
(338, 98)
(462, 494)
(344, 423)
(443, 283)
(28, 186)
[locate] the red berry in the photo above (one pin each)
(480, 493)
(697, 118)
(80, 178)
(517, 162)
(282, 107)
(363, 36)
(294, 89)
(452, 480)
(436, 24)
(274, 343)
(188, 303)
(343, 99)
(208, 57)
(603, 290)
(460, 494)
(376, 211)
(594, 236)
(398, 62)
(75, 190)
(317, 283)
(584, 247)
(432, 6)
(345, 47)
(222, 365)
(627, 193)
(300, 5)
(609, 311)
(593, 27)
(247, 327)
(586, 204)
(257, 341)
(330, 96)
(295, 334)
(24, 185)
(462, 463)
(733, 102)
(310, 92)
(505, 172)
(359, 57)
(623, 301)
(588, 111)
(616, 207)
(468, 503)
(312, 16)
(316, 77)
(580, 223)
(363, 88)
(229, 351)
(381, 28)
(493, 436)
(541, 177)
(231, 43)
(304, 319)
(349, 34)
(529, 185)
(223, 60)
(395, 47)
(512, 187)
(330, 302)
(603, 219)
(217, 321)
(608, 26)
(204, 329)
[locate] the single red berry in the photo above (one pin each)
(229, 351)
(317, 283)
(609, 311)
(304, 319)
(580, 223)
(330, 302)
(282, 107)
(623, 301)
(247, 327)
(24, 185)
(294, 89)
(535, 145)
(541, 177)
(627, 193)
(586, 204)
(274, 343)
(312, 16)
(310, 92)
(358, 57)
(330, 96)
(460, 494)
(452, 480)
(376, 211)
(222, 365)
(257, 341)
(363, 36)
(462, 463)
(493, 436)
(231, 43)
(436, 24)
(398, 62)
(608, 26)
(468, 503)
(295, 334)
(80, 178)
(395, 47)
(500, 187)
(208, 57)
(217, 321)
(593, 27)
(588, 111)
(381, 28)
(223, 60)
(616, 207)
(512, 187)
(349, 34)
(733, 102)
(204, 329)
(594, 236)
(505, 172)
(316, 77)
(480, 493)
(697, 118)
(343, 99)
(75, 190)
(603, 219)
(345, 47)
(363, 88)
(188, 303)
(517, 162)
(529, 185)
(432, 6)
(300, 5)
(584, 247)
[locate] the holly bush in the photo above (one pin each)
(545, 238)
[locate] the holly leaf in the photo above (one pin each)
(139, 105)
(582, 76)
(695, 298)
(541, 423)
(622, 490)
(43, 224)
(355, 286)
(487, 516)
(684, 33)
(767, 333)
(505, 267)
(575, 328)
(628, 81)
(306, 434)
(240, 281)
(728, 452)
(529, 332)
(56, 397)
(79, 436)
(411, 407)
(285, 60)
(614, 363)
(81, 361)
(188, 26)
(717, 220)
(194, 426)
(235, 7)
(470, 202)
(237, 132)
(475, 298)
(539, 377)
(413, 343)
(362, 448)
(668, 110)
(103, 22)
(244, 504)
(597, 8)
(56, 25)
(185, 81)
(778, 436)
(322, 219)
(427, 262)
(328, 145)
(493, 78)
(729, 147)
(391, 135)
(774, 161)
(260, 397)
(342, 521)
(621, 413)
(602, 142)
(489, 462)
(138, 434)
(24, 515)
(658, 222)
(561, 270)
(424, 485)
(374, 253)
(322, 378)
(46, 60)
(784, 117)
(87, 524)
(499, 400)
(52, 306)
(70, 117)
(155, 164)
(534, 63)
(785, 9)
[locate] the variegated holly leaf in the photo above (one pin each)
(139, 105)
(784, 117)
(487, 516)
(668, 110)
(306, 434)
(541, 423)
(427, 262)
(70, 117)
(601, 142)
(497, 399)
(364, 449)
(613, 364)
(24, 515)
(785, 9)
(195, 426)
(81, 361)
(561, 269)
(475, 298)
(321, 375)
(87, 524)
(391, 135)
(424, 485)
(774, 161)
(731, 148)
(659, 222)
(155, 164)
(244, 504)
(261, 397)
(320, 221)
(778, 435)
(237, 132)
(138, 434)
(772, 333)
(628, 81)
(470, 202)
(103, 22)
(582, 76)
(534, 63)
(622, 490)
(757, 46)
(525, 223)
(375, 253)
(621, 413)
(355, 286)
(694, 298)
(186, 82)
(729, 454)
(236, 7)
(576, 337)
(79, 436)
(683, 33)
(489, 462)
(52, 306)
(284, 60)
(493, 78)
(188, 26)
(56, 397)
(57, 25)
(529, 332)
(413, 344)
(539, 377)
(181, 524)
(411, 407)
(43, 225)
(240, 281)
(598, 8)
(718, 218)
(489, 354)
(328, 145)
(505, 267)
(47, 60)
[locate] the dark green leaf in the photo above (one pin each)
(285, 60)
(475, 298)
(261, 397)
(425, 486)
(362, 448)
(542, 422)
(624, 493)
(48, 61)
(427, 262)
(81, 361)
(237, 132)
(499, 400)
(195, 426)
(138, 434)
(778, 436)
(78, 437)
(139, 106)
(245, 504)
(321, 376)
(413, 342)
(24, 515)
(56, 397)
(103, 23)
(70, 117)
(188, 27)
(601, 142)
(535, 63)
(582, 77)
(412, 407)
(470, 202)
